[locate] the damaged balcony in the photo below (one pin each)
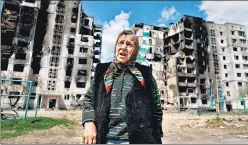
(70, 62)
(98, 37)
(60, 8)
(57, 38)
(188, 34)
(95, 59)
(26, 22)
(192, 81)
(59, 19)
(97, 44)
(198, 28)
(71, 42)
(84, 39)
(190, 60)
(189, 52)
(185, 91)
(188, 43)
(55, 50)
(169, 51)
(54, 61)
(175, 38)
(181, 61)
(174, 48)
(97, 28)
(74, 16)
(27, 16)
(157, 57)
(187, 81)
(86, 23)
(97, 52)
(36, 65)
(24, 33)
(187, 25)
(198, 37)
(182, 81)
(81, 75)
(84, 50)
(21, 55)
(21, 44)
(85, 31)
(186, 74)
(9, 19)
(58, 28)
(6, 51)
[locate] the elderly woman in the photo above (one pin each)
(122, 105)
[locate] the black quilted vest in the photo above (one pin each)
(139, 106)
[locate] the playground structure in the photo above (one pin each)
(27, 99)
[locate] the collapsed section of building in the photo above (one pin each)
(54, 44)
(18, 31)
(187, 66)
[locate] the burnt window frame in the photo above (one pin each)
(82, 61)
(18, 70)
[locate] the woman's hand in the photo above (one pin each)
(89, 133)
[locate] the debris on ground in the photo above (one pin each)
(199, 125)
(222, 127)
(242, 136)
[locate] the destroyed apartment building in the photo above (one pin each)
(62, 47)
(186, 46)
(229, 53)
(186, 60)
(178, 57)
(18, 25)
(151, 52)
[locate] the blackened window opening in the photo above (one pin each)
(80, 84)
(18, 67)
(67, 84)
(82, 61)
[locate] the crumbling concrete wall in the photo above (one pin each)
(70, 42)
(19, 23)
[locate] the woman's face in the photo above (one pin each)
(124, 48)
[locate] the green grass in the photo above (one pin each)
(17, 127)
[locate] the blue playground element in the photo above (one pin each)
(222, 99)
(212, 101)
(29, 92)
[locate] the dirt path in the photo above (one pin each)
(178, 128)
